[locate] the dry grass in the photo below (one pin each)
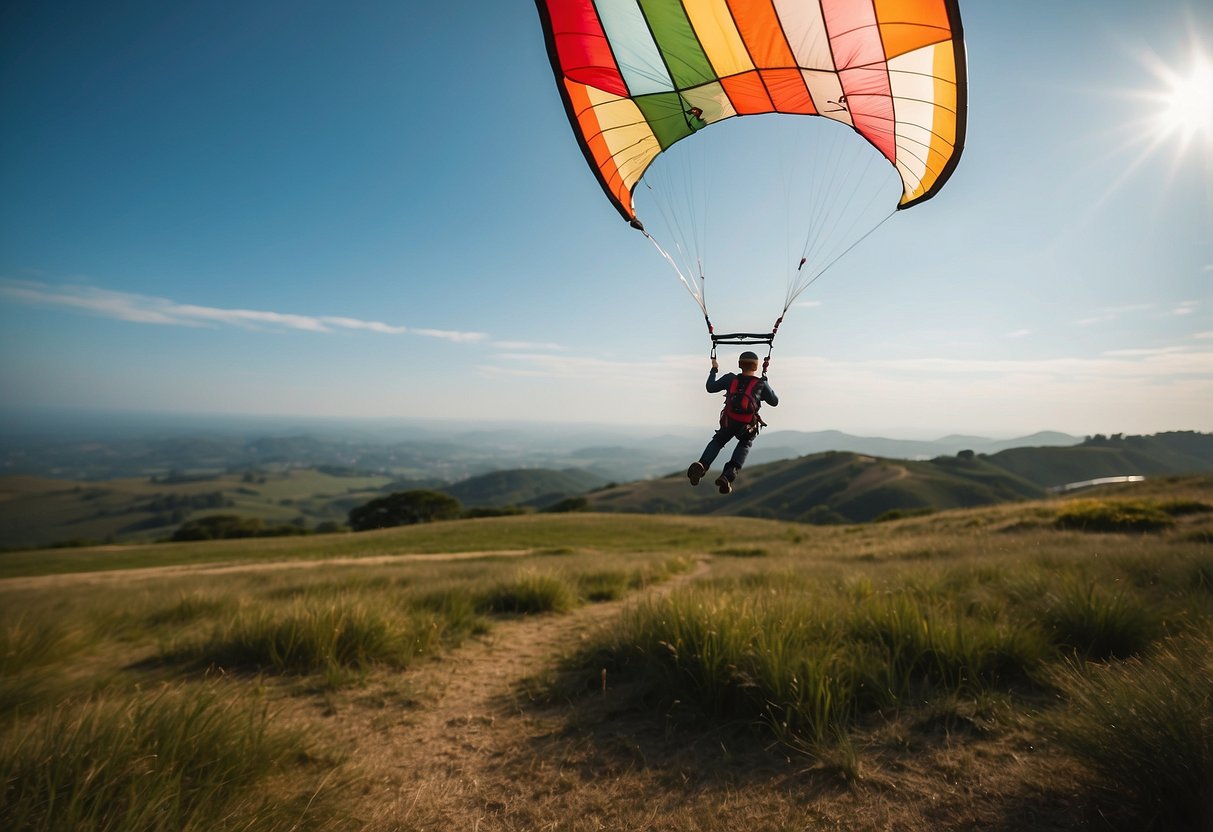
(484, 730)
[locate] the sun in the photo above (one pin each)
(1185, 102)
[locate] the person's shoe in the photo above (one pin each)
(695, 472)
(722, 482)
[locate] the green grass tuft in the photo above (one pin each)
(1144, 728)
(529, 592)
(1098, 623)
(315, 637)
(939, 645)
(604, 585)
(176, 759)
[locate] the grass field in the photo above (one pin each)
(1037, 666)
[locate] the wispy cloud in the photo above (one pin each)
(1112, 366)
(1144, 353)
(1113, 313)
(145, 309)
(1185, 307)
(526, 346)
(1019, 333)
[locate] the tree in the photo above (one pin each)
(569, 504)
(405, 508)
(219, 527)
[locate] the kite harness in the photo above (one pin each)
(748, 338)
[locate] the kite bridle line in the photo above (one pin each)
(748, 338)
(795, 294)
(697, 295)
(738, 338)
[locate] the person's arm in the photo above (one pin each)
(768, 395)
(716, 385)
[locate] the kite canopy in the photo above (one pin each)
(639, 75)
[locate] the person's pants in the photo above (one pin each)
(728, 430)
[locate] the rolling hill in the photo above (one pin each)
(839, 486)
(832, 487)
(1177, 452)
(827, 487)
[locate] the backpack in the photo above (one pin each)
(742, 401)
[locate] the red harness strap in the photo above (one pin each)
(734, 386)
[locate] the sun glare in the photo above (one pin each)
(1186, 103)
(1168, 131)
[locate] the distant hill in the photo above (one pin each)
(788, 444)
(536, 488)
(829, 487)
(1177, 452)
(851, 487)
(305, 481)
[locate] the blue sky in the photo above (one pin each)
(378, 209)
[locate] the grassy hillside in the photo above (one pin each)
(539, 532)
(1041, 665)
(829, 487)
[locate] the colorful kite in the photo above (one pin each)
(637, 76)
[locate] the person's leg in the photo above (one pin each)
(719, 439)
(744, 442)
(698, 469)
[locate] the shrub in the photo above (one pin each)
(1179, 508)
(218, 527)
(494, 511)
(1090, 516)
(742, 552)
(901, 514)
(405, 508)
(822, 515)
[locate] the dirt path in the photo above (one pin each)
(453, 762)
(227, 567)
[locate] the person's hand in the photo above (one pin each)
(715, 366)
